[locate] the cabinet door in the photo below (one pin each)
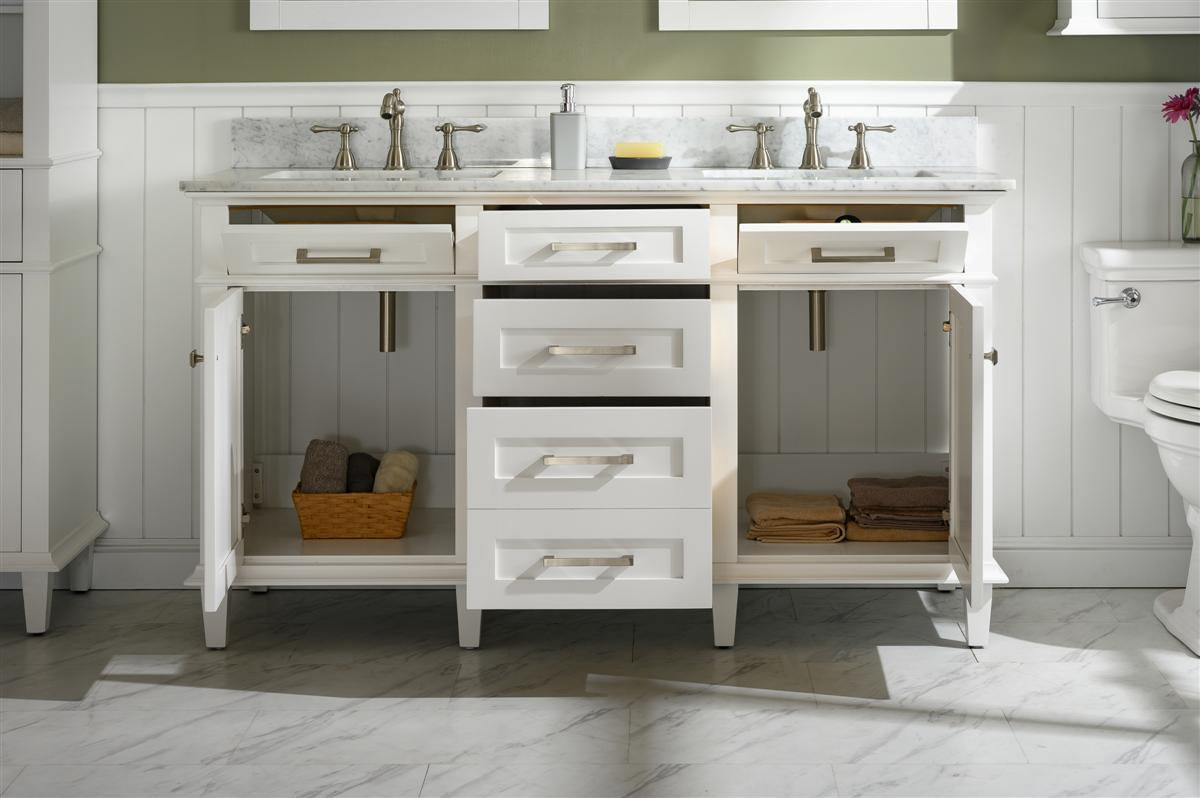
(223, 460)
(970, 436)
(10, 412)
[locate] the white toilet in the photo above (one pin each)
(1146, 373)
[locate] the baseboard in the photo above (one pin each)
(136, 564)
(1094, 562)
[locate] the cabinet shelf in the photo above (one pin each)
(750, 551)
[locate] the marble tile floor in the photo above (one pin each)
(829, 692)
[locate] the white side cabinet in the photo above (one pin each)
(807, 15)
(1127, 18)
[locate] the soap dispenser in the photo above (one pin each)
(568, 134)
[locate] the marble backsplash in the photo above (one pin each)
(945, 142)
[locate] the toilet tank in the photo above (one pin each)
(1130, 346)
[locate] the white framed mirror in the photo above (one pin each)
(807, 14)
(399, 14)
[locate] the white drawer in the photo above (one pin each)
(869, 248)
(11, 215)
(341, 249)
(552, 246)
(588, 457)
(591, 347)
(585, 559)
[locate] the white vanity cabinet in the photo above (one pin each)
(596, 459)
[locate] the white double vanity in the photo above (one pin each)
(588, 326)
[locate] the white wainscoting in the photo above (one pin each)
(1078, 499)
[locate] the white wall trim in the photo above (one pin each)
(648, 92)
(1094, 562)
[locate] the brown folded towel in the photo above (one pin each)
(324, 469)
(884, 518)
(775, 510)
(801, 533)
(856, 531)
(903, 492)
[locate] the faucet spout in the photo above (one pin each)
(812, 114)
(392, 109)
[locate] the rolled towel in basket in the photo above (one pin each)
(397, 472)
(324, 469)
(360, 473)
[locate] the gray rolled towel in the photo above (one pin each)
(324, 469)
(360, 474)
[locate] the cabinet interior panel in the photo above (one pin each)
(275, 532)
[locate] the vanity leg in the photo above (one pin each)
(79, 572)
(37, 590)
(979, 615)
(725, 600)
(216, 625)
(469, 621)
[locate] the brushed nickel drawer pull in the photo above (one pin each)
(550, 561)
(888, 256)
(594, 246)
(587, 459)
(302, 256)
(557, 349)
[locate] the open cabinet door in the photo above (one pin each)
(971, 453)
(223, 461)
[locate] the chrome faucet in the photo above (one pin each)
(344, 162)
(861, 159)
(392, 109)
(448, 160)
(812, 115)
(761, 158)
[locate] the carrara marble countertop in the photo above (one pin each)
(541, 180)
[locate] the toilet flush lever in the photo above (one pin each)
(1129, 298)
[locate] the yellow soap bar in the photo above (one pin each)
(640, 149)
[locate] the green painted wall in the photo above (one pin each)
(186, 41)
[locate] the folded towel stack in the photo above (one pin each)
(905, 509)
(795, 518)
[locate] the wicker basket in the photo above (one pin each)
(353, 515)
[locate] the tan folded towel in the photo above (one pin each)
(774, 510)
(397, 472)
(902, 492)
(804, 533)
(855, 531)
(885, 518)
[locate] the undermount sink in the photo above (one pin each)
(468, 173)
(813, 174)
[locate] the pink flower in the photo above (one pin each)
(1179, 107)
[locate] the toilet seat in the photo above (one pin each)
(1176, 395)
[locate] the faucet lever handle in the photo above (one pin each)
(861, 159)
(761, 158)
(344, 162)
(448, 160)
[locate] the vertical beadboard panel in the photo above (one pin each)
(851, 321)
(1096, 215)
(1144, 207)
(314, 369)
(412, 375)
(214, 144)
(122, 183)
(362, 373)
(937, 372)
(270, 378)
(167, 420)
(758, 371)
(1046, 301)
(443, 403)
(1002, 150)
(803, 380)
(900, 372)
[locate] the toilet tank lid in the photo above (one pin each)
(1141, 260)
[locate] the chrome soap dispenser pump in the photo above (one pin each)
(568, 134)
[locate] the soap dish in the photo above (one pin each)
(639, 163)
